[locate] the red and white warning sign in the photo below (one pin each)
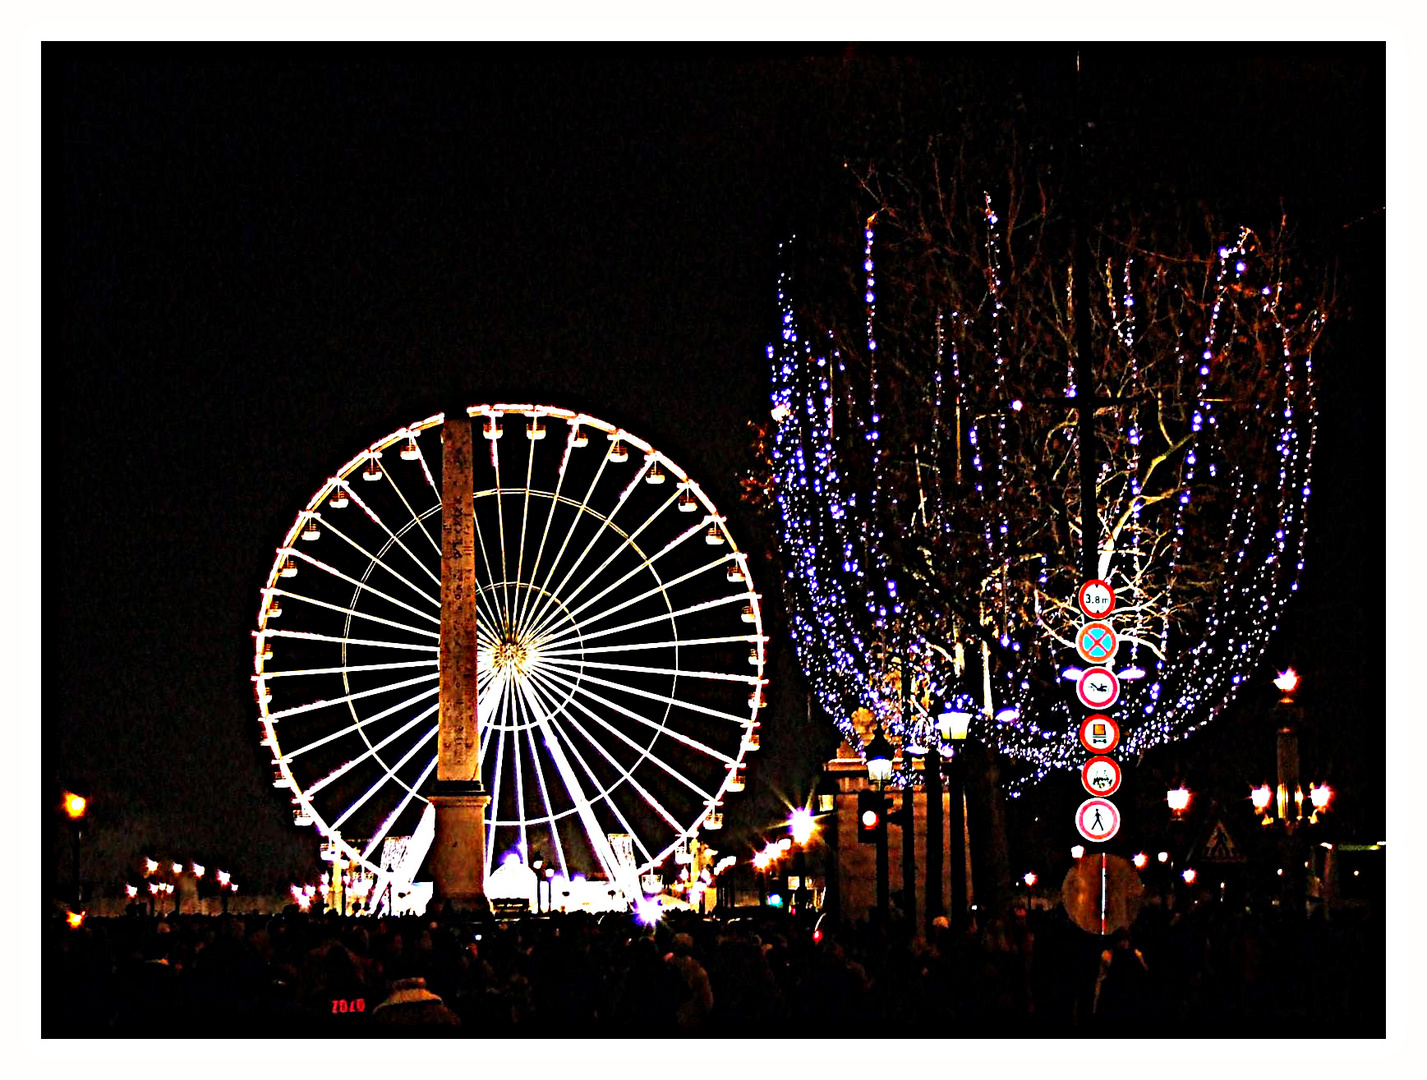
(1096, 642)
(1100, 776)
(1097, 688)
(1097, 599)
(1097, 819)
(1099, 734)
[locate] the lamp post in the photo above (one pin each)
(953, 727)
(879, 771)
(75, 807)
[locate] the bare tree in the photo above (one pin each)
(925, 456)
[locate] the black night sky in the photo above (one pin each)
(259, 260)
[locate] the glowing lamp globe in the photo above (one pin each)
(1140, 860)
(1319, 794)
(1189, 876)
(879, 758)
(1030, 878)
(1078, 851)
(1261, 796)
(1287, 681)
(1178, 799)
(801, 825)
(74, 805)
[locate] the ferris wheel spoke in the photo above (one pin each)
(722, 676)
(540, 778)
(584, 809)
(668, 616)
(561, 678)
(418, 518)
(376, 519)
(524, 522)
(309, 636)
(543, 602)
(606, 794)
(345, 668)
(349, 611)
(604, 524)
(549, 517)
(360, 724)
(500, 616)
(386, 826)
(661, 587)
(371, 751)
(322, 704)
(636, 646)
(626, 777)
(325, 568)
(500, 525)
(628, 542)
(383, 564)
(642, 751)
(389, 774)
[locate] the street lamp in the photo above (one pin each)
(879, 771)
(953, 726)
(74, 808)
(1178, 800)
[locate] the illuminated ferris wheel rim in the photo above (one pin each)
(566, 673)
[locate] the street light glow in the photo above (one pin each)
(1078, 851)
(74, 805)
(801, 825)
(1261, 796)
(1287, 681)
(1189, 876)
(1319, 794)
(1140, 860)
(1178, 799)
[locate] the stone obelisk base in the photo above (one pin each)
(458, 854)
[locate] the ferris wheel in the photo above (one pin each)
(620, 645)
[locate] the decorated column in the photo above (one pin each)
(458, 851)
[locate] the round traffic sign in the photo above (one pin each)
(1100, 776)
(1103, 894)
(1097, 820)
(1097, 688)
(1097, 599)
(1096, 642)
(1099, 734)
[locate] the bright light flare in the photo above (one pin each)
(1178, 799)
(197, 870)
(1078, 851)
(1319, 794)
(1261, 796)
(75, 919)
(150, 867)
(648, 911)
(1189, 876)
(1287, 681)
(131, 891)
(801, 825)
(1030, 878)
(75, 805)
(1140, 860)
(224, 877)
(178, 868)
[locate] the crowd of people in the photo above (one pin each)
(1205, 972)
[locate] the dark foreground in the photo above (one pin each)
(1207, 973)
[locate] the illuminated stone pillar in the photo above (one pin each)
(458, 851)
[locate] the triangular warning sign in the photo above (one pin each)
(1220, 846)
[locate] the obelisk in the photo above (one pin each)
(458, 852)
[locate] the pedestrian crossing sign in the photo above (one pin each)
(1220, 846)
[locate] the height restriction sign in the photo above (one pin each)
(1097, 688)
(1097, 599)
(1097, 819)
(1096, 642)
